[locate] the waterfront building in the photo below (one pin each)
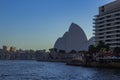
(13, 49)
(6, 48)
(107, 24)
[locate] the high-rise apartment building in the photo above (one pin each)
(107, 24)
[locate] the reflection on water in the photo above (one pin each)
(33, 70)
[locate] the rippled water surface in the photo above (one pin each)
(33, 70)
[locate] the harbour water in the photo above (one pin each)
(33, 70)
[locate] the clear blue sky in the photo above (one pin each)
(36, 24)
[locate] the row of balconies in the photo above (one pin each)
(107, 25)
(112, 36)
(107, 40)
(117, 20)
(109, 15)
(107, 20)
(111, 44)
(112, 39)
(107, 32)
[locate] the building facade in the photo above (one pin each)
(13, 49)
(107, 24)
(6, 48)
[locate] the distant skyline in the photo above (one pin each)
(36, 24)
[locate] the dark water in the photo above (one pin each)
(32, 70)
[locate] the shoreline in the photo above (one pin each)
(96, 65)
(114, 65)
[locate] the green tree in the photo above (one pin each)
(92, 49)
(53, 50)
(107, 47)
(116, 51)
(101, 45)
(62, 51)
(73, 51)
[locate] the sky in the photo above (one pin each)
(36, 24)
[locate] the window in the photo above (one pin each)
(102, 9)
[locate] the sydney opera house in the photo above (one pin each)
(74, 39)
